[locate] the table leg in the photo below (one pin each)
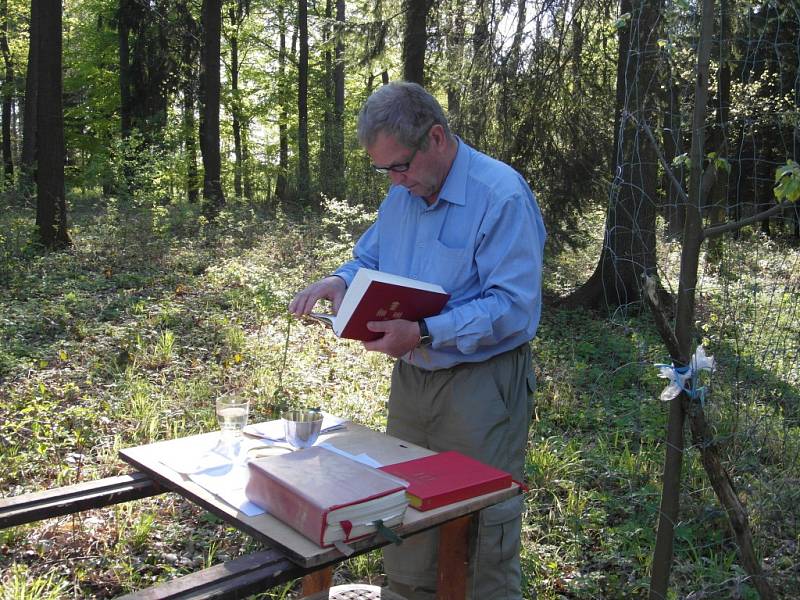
(453, 559)
(317, 581)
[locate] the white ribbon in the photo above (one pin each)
(678, 380)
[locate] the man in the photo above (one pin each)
(463, 381)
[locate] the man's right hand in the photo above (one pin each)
(331, 288)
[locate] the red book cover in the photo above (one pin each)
(325, 496)
(379, 296)
(447, 477)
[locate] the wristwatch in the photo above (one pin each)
(425, 338)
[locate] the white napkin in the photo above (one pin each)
(216, 467)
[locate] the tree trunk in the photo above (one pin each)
(303, 174)
(30, 119)
(455, 53)
(124, 68)
(681, 345)
(415, 40)
(189, 64)
(629, 248)
(337, 141)
(213, 196)
(247, 175)
(8, 95)
(480, 75)
(326, 183)
(51, 206)
(332, 182)
(236, 14)
(283, 136)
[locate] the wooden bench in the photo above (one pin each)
(237, 578)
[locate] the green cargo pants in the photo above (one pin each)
(482, 410)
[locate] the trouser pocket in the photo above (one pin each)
(496, 557)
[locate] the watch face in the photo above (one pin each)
(425, 340)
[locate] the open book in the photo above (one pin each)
(378, 296)
(325, 496)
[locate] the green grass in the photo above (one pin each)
(129, 336)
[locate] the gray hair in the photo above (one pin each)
(403, 110)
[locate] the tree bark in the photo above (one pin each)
(415, 40)
(236, 13)
(30, 119)
(455, 52)
(213, 196)
(8, 95)
(189, 65)
(337, 145)
(680, 345)
(124, 68)
(51, 206)
(283, 136)
(629, 247)
(303, 172)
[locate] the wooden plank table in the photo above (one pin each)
(354, 439)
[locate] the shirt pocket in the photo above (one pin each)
(452, 268)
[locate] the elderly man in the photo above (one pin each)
(463, 381)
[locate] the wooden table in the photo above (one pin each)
(354, 439)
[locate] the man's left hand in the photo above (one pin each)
(399, 337)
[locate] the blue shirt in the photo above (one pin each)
(482, 241)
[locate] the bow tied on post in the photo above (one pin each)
(684, 379)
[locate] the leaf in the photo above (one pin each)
(62, 355)
(787, 182)
(682, 160)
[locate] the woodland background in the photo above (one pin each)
(173, 171)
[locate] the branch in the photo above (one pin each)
(667, 169)
(710, 232)
(662, 324)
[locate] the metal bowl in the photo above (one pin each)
(301, 427)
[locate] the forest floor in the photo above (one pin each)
(128, 336)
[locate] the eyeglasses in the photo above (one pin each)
(399, 167)
(403, 167)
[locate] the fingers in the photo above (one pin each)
(331, 288)
(400, 337)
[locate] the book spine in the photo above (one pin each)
(446, 498)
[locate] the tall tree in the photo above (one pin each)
(30, 118)
(332, 181)
(147, 67)
(629, 245)
(51, 205)
(189, 60)
(456, 27)
(124, 18)
(8, 94)
(303, 173)
(338, 96)
(237, 12)
(680, 341)
(211, 19)
(415, 40)
(281, 182)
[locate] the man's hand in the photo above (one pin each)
(399, 337)
(331, 288)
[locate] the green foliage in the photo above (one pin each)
(18, 584)
(128, 337)
(787, 182)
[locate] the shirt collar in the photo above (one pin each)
(454, 189)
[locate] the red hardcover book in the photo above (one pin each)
(379, 296)
(325, 496)
(447, 477)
